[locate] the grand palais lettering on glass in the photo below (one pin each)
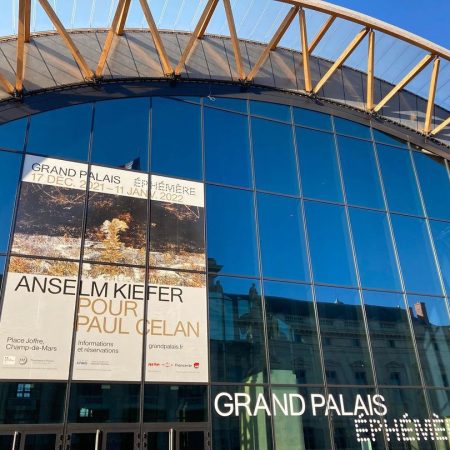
(225, 225)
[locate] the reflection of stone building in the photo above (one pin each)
(236, 324)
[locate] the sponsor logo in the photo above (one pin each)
(23, 360)
(9, 360)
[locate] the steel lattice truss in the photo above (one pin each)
(369, 27)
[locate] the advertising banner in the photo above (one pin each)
(38, 313)
(51, 205)
(177, 340)
(116, 227)
(109, 326)
(109, 332)
(37, 319)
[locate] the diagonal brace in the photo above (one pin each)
(273, 42)
(342, 58)
(197, 34)
(167, 67)
(411, 74)
(87, 72)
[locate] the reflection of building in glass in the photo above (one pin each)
(213, 243)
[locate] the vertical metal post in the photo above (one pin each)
(15, 440)
(98, 435)
(171, 437)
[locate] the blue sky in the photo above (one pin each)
(429, 19)
(255, 18)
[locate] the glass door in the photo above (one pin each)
(102, 437)
(177, 437)
(31, 437)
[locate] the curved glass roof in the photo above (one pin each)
(255, 20)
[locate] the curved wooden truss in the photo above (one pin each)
(369, 28)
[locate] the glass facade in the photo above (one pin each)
(327, 275)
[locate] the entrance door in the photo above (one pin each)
(109, 437)
(32, 437)
(177, 437)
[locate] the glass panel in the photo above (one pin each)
(192, 440)
(12, 134)
(318, 165)
(37, 319)
(431, 325)
(344, 342)
(176, 153)
(188, 98)
(2, 271)
(409, 404)
(345, 405)
(236, 330)
(435, 184)
(109, 324)
(305, 432)
(82, 441)
(270, 110)
(9, 174)
(6, 441)
(374, 250)
(440, 405)
(351, 128)
(158, 440)
(121, 133)
(227, 103)
(62, 132)
(393, 349)
(379, 136)
(401, 191)
(32, 402)
(237, 428)
(331, 254)
(362, 183)
(175, 403)
(274, 157)
(116, 221)
(177, 327)
(441, 236)
(293, 342)
(231, 231)
(227, 156)
(282, 238)
(312, 119)
(51, 206)
(39, 442)
(177, 228)
(119, 441)
(94, 403)
(416, 257)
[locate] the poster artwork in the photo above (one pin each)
(109, 323)
(110, 319)
(177, 342)
(38, 295)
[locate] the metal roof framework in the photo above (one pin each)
(368, 27)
